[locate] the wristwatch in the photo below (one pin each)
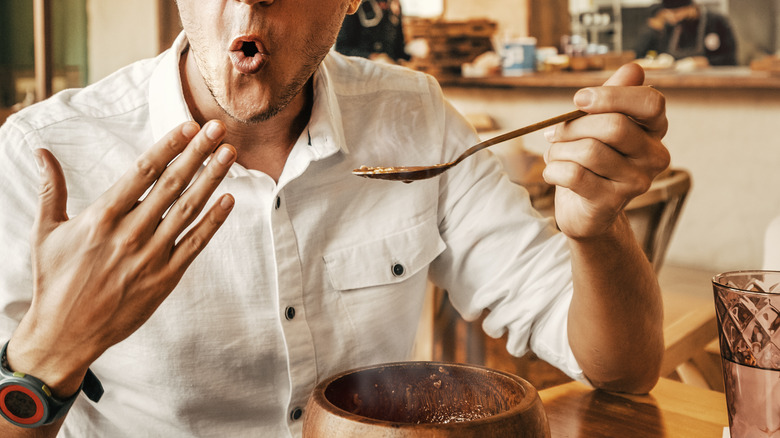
(27, 402)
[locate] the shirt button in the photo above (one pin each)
(398, 270)
(289, 313)
(296, 414)
(278, 202)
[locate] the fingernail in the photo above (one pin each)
(189, 130)
(224, 155)
(227, 202)
(584, 98)
(214, 130)
(549, 134)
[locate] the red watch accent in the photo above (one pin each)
(34, 397)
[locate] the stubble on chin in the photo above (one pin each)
(249, 113)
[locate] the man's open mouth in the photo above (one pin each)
(248, 54)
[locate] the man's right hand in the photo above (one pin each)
(100, 275)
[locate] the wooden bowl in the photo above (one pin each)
(430, 399)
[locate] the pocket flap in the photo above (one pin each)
(388, 260)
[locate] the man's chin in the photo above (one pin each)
(250, 115)
(255, 106)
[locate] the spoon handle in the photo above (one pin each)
(518, 132)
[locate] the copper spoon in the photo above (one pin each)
(414, 173)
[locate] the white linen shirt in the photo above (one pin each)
(350, 255)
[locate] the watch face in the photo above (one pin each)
(21, 405)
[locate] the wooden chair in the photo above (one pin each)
(690, 329)
(653, 215)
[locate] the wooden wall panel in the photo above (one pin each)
(548, 21)
(169, 22)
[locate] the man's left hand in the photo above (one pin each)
(601, 161)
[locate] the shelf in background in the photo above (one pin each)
(714, 77)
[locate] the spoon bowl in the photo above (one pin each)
(414, 173)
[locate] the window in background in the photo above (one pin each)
(68, 45)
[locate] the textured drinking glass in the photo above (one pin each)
(748, 307)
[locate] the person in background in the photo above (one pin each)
(188, 232)
(374, 32)
(685, 30)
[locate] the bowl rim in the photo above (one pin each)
(318, 395)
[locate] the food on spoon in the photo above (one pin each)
(367, 170)
(402, 173)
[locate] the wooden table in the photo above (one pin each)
(672, 409)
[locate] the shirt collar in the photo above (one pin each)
(326, 128)
(168, 108)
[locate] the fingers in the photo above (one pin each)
(591, 154)
(52, 193)
(610, 190)
(191, 203)
(623, 153)
(615, 130)
(124, 195)
(627, 75)
(196, 239)
(178, 175)
(624, 93)
(594, 190)
(612, 154)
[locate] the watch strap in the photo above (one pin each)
(91, 386)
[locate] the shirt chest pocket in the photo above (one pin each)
(390, 260)
(381, 283)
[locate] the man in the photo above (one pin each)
(219, 323)
(686, 30)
